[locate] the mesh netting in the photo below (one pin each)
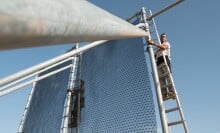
(46, 108)
(118, 95)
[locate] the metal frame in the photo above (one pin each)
(161, 107)
(31, 75)
(165, 9)
(23, 84)
(18, 80)
(66, 115)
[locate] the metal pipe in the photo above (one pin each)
(65, 128)
(165, 9)
(7, 91)
(33, 74)
(45, 64)
(79, 71)
(164, 125)
(30, 23)
(135, 15)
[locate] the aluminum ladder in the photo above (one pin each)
(169, 83)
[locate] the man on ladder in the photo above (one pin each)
(163, 58)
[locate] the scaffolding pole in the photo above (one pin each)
(31, 23)
(67, 108)
(164, 125)
(165, 9)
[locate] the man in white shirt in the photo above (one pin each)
(163, 49)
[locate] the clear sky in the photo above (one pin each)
(192, 29)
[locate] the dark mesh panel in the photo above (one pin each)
(46, 108)
(118, 96)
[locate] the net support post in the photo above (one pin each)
(164, 125)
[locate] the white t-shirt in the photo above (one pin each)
(160, 52)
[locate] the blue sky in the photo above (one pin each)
(192, 29)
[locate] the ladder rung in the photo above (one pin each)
(172, 109)
(167, 85)
(175, 123)
(164, 75)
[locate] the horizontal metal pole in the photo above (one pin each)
(7, 91)
(30, 23)
(135, 15)
(165, 9)
(45, 64)
(33, 74)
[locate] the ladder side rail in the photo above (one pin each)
(179, 104)
(172, 81)
(158, 39)
(165, 61)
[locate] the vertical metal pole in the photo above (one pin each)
(78, 112)
(21, 126)
(164, 124)
(79, 95)
(64, 128)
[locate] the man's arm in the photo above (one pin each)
(161, 46)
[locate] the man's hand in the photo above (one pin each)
(151, 42)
